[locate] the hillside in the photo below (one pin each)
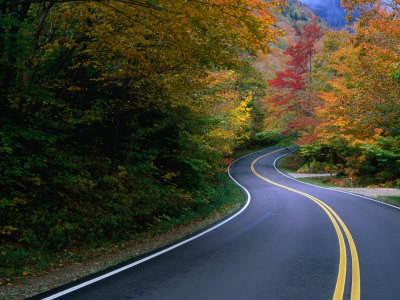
(295, 14)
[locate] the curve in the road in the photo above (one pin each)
(280, 245)
(333, 189)
(109, 274)
(296, 252)
(333, 216)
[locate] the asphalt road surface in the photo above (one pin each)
(292, 241)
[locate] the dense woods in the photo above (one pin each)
(116, 116)
(343, 109)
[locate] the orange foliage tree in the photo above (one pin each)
(361, 106)
(118, 113)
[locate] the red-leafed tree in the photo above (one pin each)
(294, 100)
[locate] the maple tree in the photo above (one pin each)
(353, 126)
(295, 98)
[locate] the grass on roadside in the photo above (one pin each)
(332, 181)
(320, 181)
(290, 163)
(394, 200)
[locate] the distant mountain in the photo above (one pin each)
(295, 14)
(296, 11)
(329, 10)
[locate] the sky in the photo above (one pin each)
(330, 10)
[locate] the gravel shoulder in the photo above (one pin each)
(369, 192)
(301, 175)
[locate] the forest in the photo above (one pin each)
(118, 116)
(337, 96)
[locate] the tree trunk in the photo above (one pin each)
(26, 77)
(10, 69)
(310, 72)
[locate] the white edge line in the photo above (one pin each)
(331, 189)
(86, 283)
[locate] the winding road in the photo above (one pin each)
(290, 241)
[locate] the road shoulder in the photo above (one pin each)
(64, 274)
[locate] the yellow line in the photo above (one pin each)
(341, 279)
(356, 281)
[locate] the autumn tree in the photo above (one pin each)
(295, 100)
(364, 6)
(359, 111)
(116, 116)
(364, 91)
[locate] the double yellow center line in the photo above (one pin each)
(335, 219)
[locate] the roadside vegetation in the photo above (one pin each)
(34, 262)
(119, 118)
(290, 163)
(395, 200)
(296, 163)
(336, 97)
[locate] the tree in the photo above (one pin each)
(364, 6)
(118, 114)
(295, 99)
(365, 95)
(360, 107)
